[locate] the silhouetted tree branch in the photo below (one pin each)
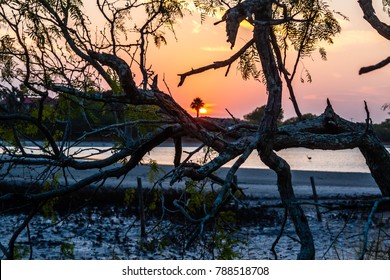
(217, 64)
(382, 28)
(91, 77)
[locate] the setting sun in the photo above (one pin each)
(202, 111)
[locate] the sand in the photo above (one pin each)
(255, 182)
(262, 182)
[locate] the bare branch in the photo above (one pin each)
(280, 234)
(235, 120)
(121, 68)
(370, 16)
(377, 66)
(368, 118)
(217, 64)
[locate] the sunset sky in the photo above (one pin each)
(337, 78)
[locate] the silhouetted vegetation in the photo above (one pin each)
(257, 115)
(383, 131)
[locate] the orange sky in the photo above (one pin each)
(358, 45)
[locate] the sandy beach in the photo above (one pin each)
(255, 182)
(262, 182)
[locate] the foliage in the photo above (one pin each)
(154, 200)
(155, 171)
(257, 115)
(104, 84)
(130, 196)
(224, 238)
(383, 131)
(386, 106)
(48, 207)
(316, 23)
(197, 104)
(21, 251)
(198, 200)
(67, 251)
(386, 6)
(247, 65)
(319, 24)
(307, 116)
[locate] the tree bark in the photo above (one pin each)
(178, 151)
(378, 161)
(370, 16)
(382, 28)
(286, 191)
(262, 35)
(285, 75)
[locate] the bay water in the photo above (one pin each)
(350, 160)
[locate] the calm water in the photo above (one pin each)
(298, 158)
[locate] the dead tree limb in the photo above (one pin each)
(382, 28)
(370, 16)
(268, 128)
(217, 64)
(374, 67)
(280, 234)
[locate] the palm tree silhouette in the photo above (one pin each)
(196, 104)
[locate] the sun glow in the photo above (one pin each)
(202, 111)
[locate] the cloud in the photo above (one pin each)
(353, 38)
(196, 27)
(216, 49)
